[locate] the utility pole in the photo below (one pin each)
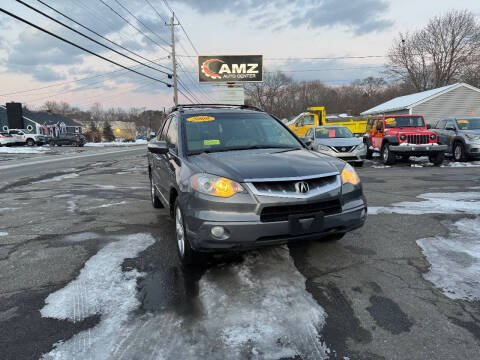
(174, 60)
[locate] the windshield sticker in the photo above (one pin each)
(200, 118)
(462, 121)
(211, 142)
(331, 133)
(390, 121)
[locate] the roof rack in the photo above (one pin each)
(180, 107)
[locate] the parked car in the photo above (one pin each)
(461, 136)
(337, 141)
(234, 177)
(405, 136)
(68, 139)
(21, 137)
(6, 139)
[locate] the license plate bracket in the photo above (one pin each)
(306, 223)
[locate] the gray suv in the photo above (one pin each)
(461, 135)
(234, 178)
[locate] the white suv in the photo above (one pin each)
(20, 137)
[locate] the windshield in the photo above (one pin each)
(469, 124)
(333, 132)
(235, 131)
(404, 121)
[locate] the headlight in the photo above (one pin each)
(403, 137)
(433, 136)
(215, 185)
(349, 175)
(323, 148)
(361, 146)
(472, 137)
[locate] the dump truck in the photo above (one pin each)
(317, 116)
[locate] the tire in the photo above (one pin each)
(387, 156)
(156, 203)
(186, 254)
(369, 154)
(51, 143)
(30, 142)
(459, 152)
(437, 159)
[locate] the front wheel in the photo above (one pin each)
(30, 142)
(186, 254)
(437, 159)
(387, 156)
(459, 152)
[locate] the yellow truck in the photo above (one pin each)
(317, 116)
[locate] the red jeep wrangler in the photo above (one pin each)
(402, 135)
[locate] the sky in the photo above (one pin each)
(36, 67)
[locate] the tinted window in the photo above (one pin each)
(172, 133)
(235, 131)
(450, 124)
(404, 121)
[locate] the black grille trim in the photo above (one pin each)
(281, 212)
(347, 148)
(418, 139)
(289, 186)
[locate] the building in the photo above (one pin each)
(13, 116)
(457, 100)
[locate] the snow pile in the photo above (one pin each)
(463, 164)
(258, 308)
(24, 150)
(455, 260)
(434, 203)
(3, 233)
(117, 143)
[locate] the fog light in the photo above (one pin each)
(218, 232)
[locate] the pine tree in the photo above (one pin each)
(108, 132)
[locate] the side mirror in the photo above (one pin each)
(158, 147)
(450, 128)
(308, 141)
(429, 126)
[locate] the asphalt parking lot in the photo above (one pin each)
(88, 270)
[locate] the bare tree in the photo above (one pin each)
(438, 54)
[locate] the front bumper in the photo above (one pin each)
(247, 231)
(473, 150)
(418, 149)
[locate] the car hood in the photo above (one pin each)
(339, 141)
(264, 163)
(408, 130)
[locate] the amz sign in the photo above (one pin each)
(230, 68)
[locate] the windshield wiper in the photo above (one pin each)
(239, 148)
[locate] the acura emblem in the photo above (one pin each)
(301, 187)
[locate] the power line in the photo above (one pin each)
(89, 38)
(140, 22)
(80, 47)
(100, 35)
(136, 28)
(158, 14)
(309, 58)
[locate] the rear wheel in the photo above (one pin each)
(156, 203)
(458, 152)
(186, 254)
(387, 156)
(437, 159)
(30, 142)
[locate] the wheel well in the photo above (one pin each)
(172, 200)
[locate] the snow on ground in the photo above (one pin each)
(258, 308)
(462, 164)
(116, 143)
(23, 150)
(434, 203)
(455, 260)
(3, 233)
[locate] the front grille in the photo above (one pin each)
(418, 139)
(288, 187)
(343, 148)
(281, 213)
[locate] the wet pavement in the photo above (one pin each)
(88, 270)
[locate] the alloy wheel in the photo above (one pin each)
(180, 231)
(458, 153)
